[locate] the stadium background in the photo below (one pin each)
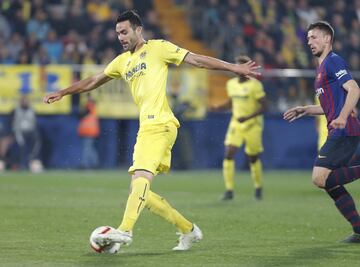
(47, 45)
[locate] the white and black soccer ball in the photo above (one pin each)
(110, 249)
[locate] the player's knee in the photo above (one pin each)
(230, 152)
(319, 180)
(143, 174)
(252, 159)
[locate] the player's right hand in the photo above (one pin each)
(294, 113)
(52, 97)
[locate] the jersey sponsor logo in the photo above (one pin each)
(151, 116)
(138, 68)
(340, 73)
(319, 91)
(321, 157)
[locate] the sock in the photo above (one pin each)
(136, 202)
(256, 173)
(159, 206)
(228, 173)
(345, 204)
(342, 176)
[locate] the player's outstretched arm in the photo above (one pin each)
(84, 85)
(249, 68)
(300, 111)
(353, 94)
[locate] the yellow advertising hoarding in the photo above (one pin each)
(34, 81)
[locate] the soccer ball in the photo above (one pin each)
(110, 249)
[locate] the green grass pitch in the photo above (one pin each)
(46, 220)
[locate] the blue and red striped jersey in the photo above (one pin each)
(330, 77)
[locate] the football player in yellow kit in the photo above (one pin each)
(247, 103)
(144, 66)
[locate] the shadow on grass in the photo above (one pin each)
(336, 254)
(132, 258)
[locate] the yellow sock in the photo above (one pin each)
(159, 206)
(256, 173)
(228, 173)
(136, 202)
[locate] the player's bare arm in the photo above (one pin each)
(222, 107)
(200, 61)
(300, 111)
(353, 94)
(84, 85)
(259, 111)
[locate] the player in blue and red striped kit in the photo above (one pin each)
(338, 94)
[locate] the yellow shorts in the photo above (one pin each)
(252, 137)
(152, 151)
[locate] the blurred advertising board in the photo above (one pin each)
(35, 81)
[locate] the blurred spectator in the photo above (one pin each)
(354, 62)
(4, 27)
(151, 26)
(58, 20)
(306, 13)
(23, 58)
(18, 22)
(38, 25)
(78, 20)
(99, 10)
(53, 47)
(89, 130)
(6, 140)
(230, 30)
(15, 45)
(24, 125)
(183, 144)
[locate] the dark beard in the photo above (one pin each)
(318, 54)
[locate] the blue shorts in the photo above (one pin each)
(337, 152)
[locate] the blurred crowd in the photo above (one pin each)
(273, 32)
(66, 31)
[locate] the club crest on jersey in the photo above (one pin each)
(319, 91)
(136, 70)
(143, 55)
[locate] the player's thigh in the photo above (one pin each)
(153, 147)
(234, 136)
(337, 152)
(253, 141)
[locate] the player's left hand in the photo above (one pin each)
(338, 123)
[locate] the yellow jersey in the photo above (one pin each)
(146, 71)
(244, 97)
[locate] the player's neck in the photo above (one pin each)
(138, 45)
(324, 55)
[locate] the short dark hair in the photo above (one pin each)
(132, 16)
(242, 59)
(323, 26)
